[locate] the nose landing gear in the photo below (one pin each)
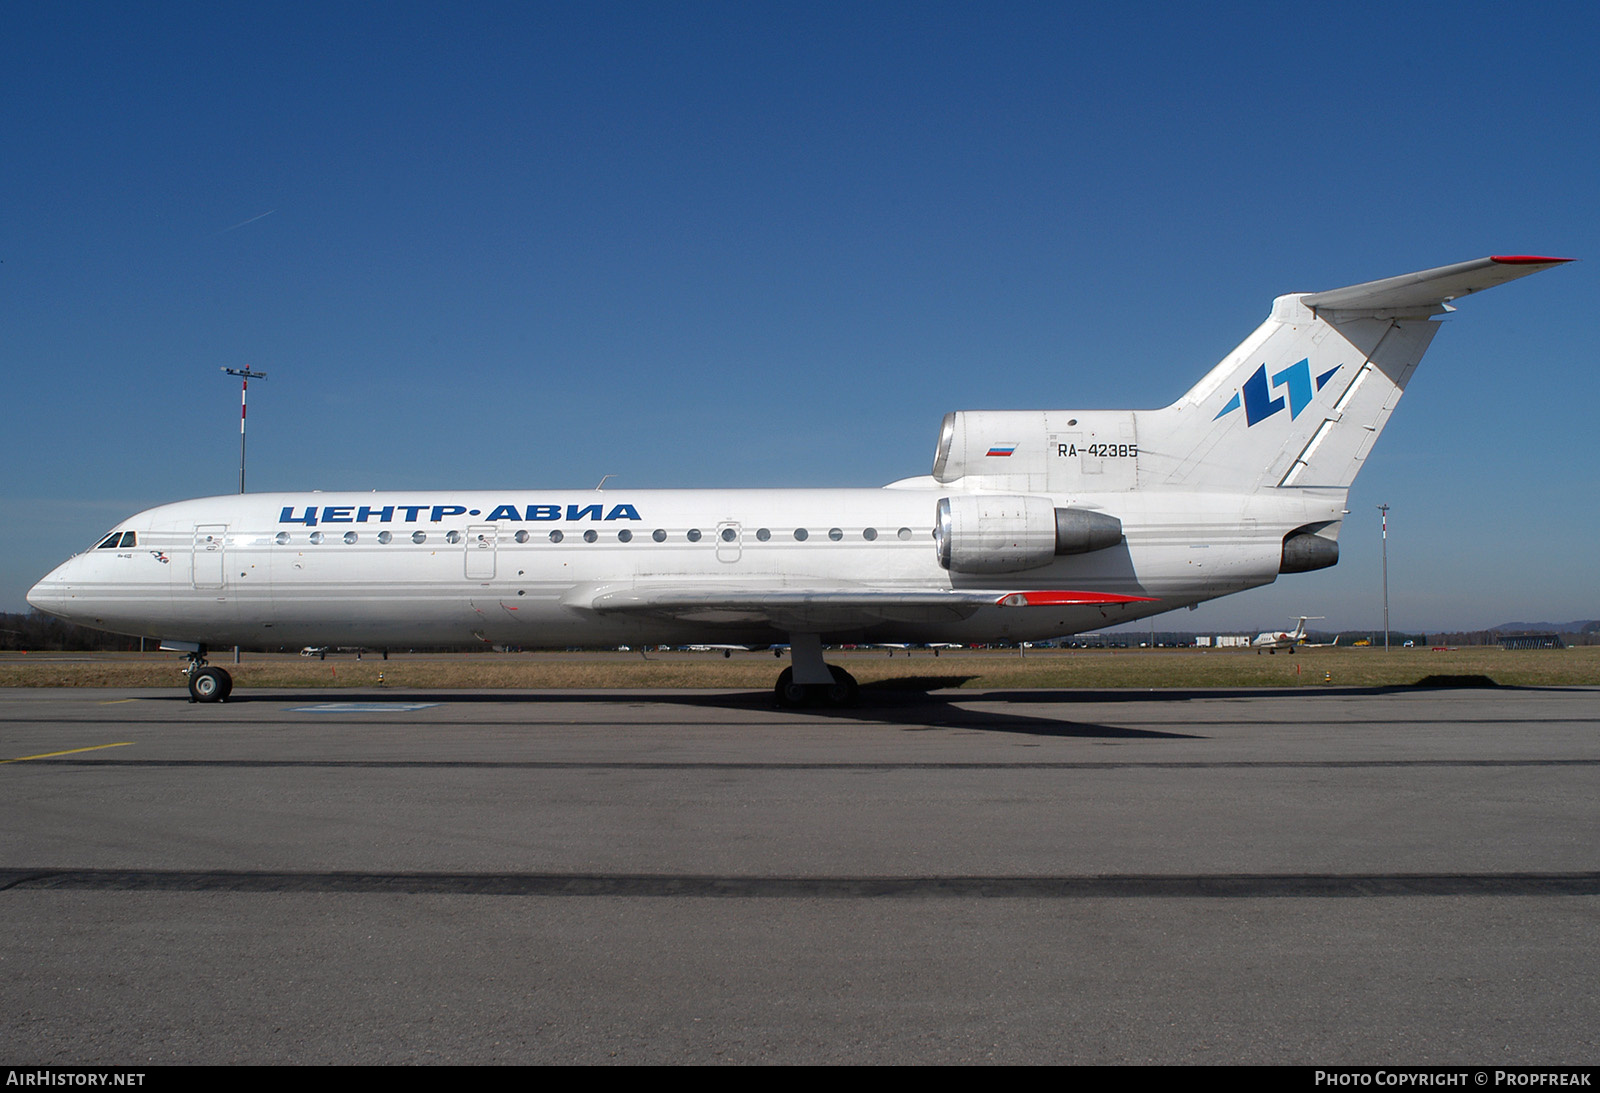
(206, 683)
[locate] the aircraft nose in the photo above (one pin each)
(50, 594)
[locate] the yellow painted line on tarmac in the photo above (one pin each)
(114, 701)
(69, 751)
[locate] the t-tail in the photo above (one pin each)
(1298, 404)
(1301, 402)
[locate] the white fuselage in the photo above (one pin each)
(525, 568)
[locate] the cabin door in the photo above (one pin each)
(729, 541)
(207, 567)
(480, 552)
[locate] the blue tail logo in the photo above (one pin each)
(1257, 395)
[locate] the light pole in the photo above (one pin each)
(1385, 510)
(245, 376)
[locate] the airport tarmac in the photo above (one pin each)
(1336, 876)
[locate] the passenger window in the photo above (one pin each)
(903, 533)
(591, 535)
(521, 537)
(835, 534)
(869, 534)
(556, 536)
(419, 537)
(282, 538)
(694, 535)
(624, 536)
(316, 537)
(659, 535)
(350, 537)
(452, 536)
(729, 535)
(385, 537)
(763, 534)
(801, 535)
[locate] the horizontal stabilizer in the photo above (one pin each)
(1431, 287)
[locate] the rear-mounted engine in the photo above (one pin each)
(1009, 533)
(1304, 550)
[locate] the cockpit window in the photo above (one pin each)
(124, 540)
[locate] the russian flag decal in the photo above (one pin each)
(1002, 449)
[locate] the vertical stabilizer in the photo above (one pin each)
(1302, 400)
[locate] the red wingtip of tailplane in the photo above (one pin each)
(1526, 259)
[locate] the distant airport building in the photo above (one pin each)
(1532, 641)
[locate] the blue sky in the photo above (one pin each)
(769, 244)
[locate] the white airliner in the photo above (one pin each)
(1033, 524)
(1273, 640)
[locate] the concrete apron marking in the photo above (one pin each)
(364, 707)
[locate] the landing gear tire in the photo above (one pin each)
(843, 691)
(789, 693)
(209, 685)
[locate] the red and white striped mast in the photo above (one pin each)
(1385, 510)
(245, 376)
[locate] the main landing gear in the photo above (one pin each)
(811, 682)
(207, 683)
(843, 691)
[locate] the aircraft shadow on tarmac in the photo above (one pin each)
(907, 701)
(904, 702)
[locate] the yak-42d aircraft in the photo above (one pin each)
(1033, 524)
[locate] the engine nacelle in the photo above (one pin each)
(1009, 533)
(1304, 550)
(1079, 531)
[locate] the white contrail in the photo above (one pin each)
(242, 223)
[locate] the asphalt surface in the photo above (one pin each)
(1328, 877)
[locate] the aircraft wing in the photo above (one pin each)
(810, 610)
(1431, 287)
